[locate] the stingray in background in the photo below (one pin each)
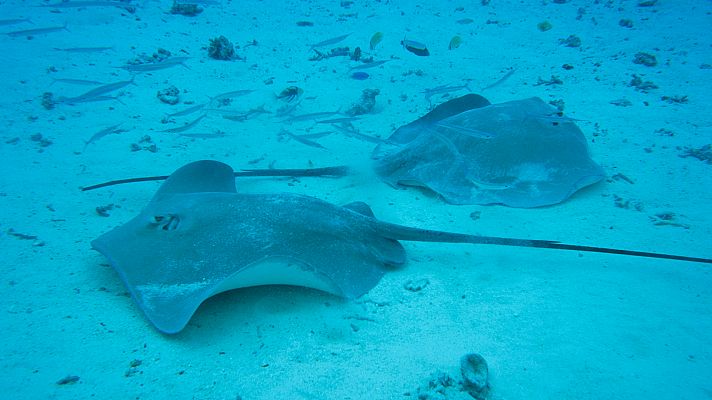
(469, 151)
(198, 237)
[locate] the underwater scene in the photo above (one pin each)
(260, 199)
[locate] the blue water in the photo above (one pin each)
(98, 91)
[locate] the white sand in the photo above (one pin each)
(551, 324)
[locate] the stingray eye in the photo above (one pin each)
(167, 222)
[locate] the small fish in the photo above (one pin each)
(98, 92)
(500, 80)
(417, 48)
(375, 40)
(310, 117)
(331, 41)
(167, 63)
(76, 100)
(188, 110)
(290, 93)
(338, 120)
(102, 133)
(351, 132)
(185, 127)
(465, 21)
(455, 42)
(38, 31)
(301, 139)
(15, 21)
(368, 65)
(444, 89)
(242, 116)
(360, 75)
(76, 81)
(84, 49)
(84, 4)
(214, 135)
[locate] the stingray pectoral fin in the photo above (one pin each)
(279, 271)
(361, 208)
(170, 307)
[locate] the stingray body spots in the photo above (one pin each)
(167, 222)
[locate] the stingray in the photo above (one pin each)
(198, 237)
(520, 153)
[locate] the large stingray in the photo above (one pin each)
(519, 153)
(198, 237)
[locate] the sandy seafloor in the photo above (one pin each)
(551, 324)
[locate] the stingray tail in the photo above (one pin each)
(398, 232)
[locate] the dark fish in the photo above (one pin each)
(360, 75)
(417, 48)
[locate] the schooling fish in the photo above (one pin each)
(185, 127)
(38, 31)
(102, 133)
(15, 21)
(84, 49)
(99, 91)
(301, 139)
(76, 81)
(417, 48)
(147, 67)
